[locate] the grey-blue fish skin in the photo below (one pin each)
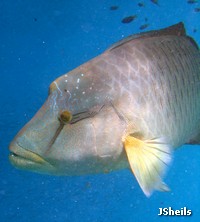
(146, 86)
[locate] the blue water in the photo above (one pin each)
(41, 40)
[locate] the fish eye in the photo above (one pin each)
(65, 116)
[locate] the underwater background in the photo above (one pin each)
(39, 41)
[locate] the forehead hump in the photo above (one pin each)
(70, 80)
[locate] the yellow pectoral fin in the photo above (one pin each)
(148, 161)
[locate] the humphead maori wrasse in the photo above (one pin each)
(130, 107)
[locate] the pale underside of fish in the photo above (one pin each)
(130, 107)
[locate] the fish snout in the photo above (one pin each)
(26, 159)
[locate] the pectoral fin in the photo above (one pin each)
(148, 160)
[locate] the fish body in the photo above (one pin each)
(197, 9)
(141, 4)
(130, 107)
(155, 2)
(192, 1)
(142, 27)
(129, 19)
(114, 7)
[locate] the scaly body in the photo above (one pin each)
(130, 106)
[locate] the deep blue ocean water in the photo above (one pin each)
(43, 39)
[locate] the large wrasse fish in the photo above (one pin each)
(130, 107)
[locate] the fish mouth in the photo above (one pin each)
(25, 159)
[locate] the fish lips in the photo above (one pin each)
(25, 159)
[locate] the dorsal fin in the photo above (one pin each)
(177, 30)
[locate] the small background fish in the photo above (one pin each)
(192, 1)
(129, 19)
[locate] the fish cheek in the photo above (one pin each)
(74, 143)
(107, 135)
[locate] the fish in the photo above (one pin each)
(197, 9)
(144, 26)
(129, 19)
(155, 2)
(114, 7)
(130, 107)
(141, 4)
(192, 1)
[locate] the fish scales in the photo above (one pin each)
(130, 107)
(165, 78)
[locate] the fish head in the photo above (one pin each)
(71, 134)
